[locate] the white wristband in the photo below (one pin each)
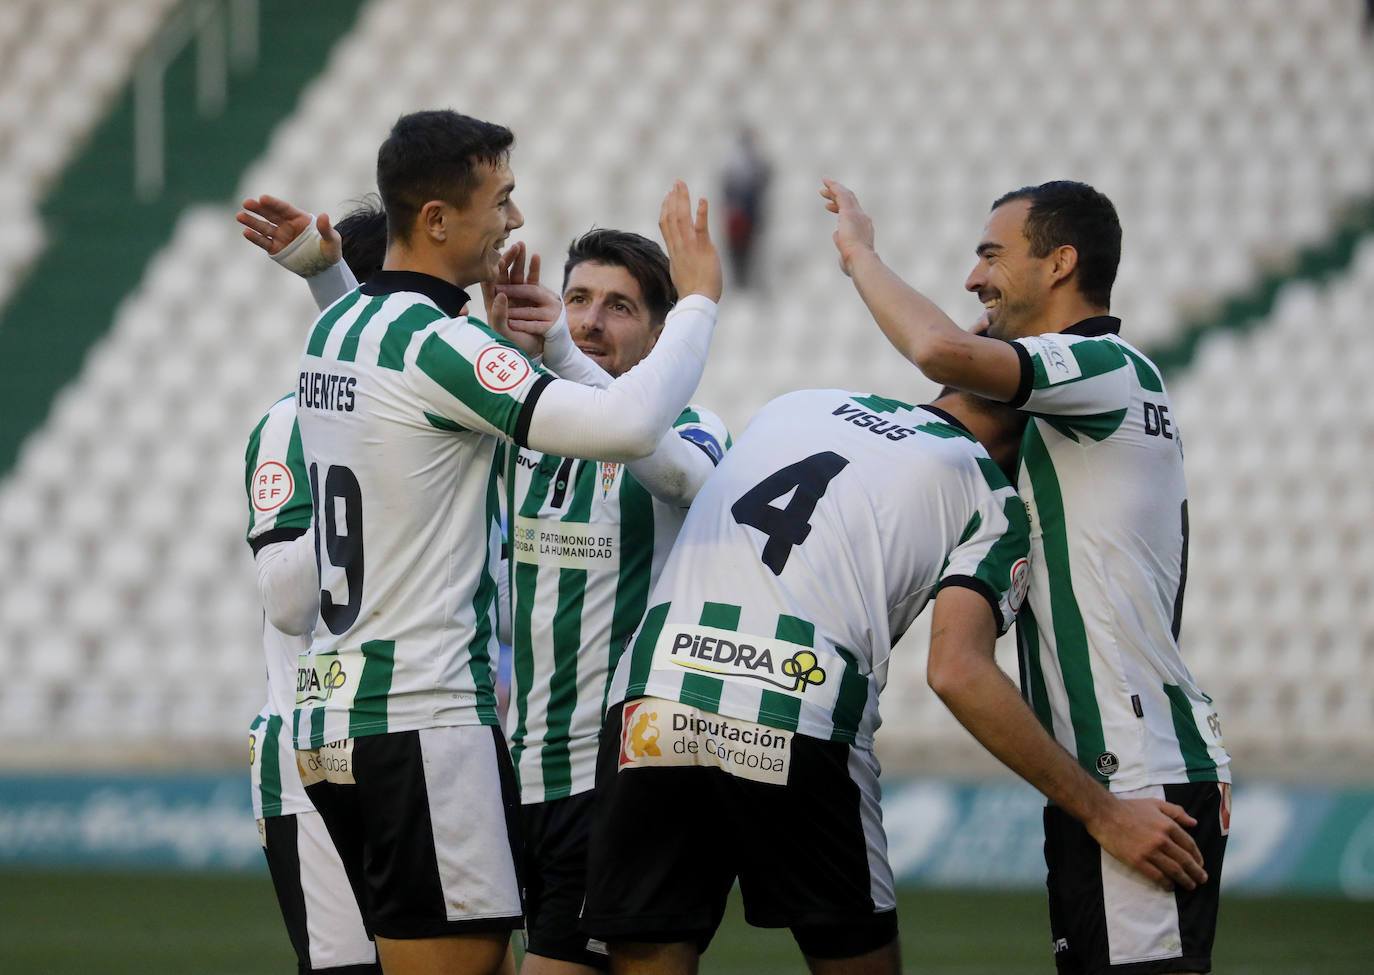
(305, 254)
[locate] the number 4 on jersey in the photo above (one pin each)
(789, 526)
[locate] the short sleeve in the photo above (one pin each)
(275, 478)
(470, 379)
(1087, 381)
(993, 554)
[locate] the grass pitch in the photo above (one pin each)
(55, 923)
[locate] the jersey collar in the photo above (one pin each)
(1098, 325)
(949, 418)
(449, 297)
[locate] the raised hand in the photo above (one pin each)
(692, 258)
(274, 224)
(520, 308)
(854, 229)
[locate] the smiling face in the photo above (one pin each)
(1011, 283)
(477, 231)
(608, 316)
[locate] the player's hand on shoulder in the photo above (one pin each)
(692, 258)
(1150, 835)
(273, 224)
(854, 229)
(519, 308)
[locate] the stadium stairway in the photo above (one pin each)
(99, 240)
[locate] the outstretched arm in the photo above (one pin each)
(627, 419)
(1147, 834)
(300, 242)
(911, 321)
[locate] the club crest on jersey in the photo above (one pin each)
(609, 469)
(1020, 582)
(273, 486)
(500, 368)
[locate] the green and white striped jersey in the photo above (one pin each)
(278, 511)
(1102, 475)
(400, 406)
(586, 544)
(825, 531)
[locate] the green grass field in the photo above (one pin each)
(189, 924)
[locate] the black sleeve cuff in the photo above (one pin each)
(259, 542)
(1027, 377)
(521, 433)
(980, 587)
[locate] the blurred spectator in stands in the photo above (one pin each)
(745, 186)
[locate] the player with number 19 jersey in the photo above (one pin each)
(816, 543)
(400, 400)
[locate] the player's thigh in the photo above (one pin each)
(435, 813)
(555, 836)
(1107, 917)
(818, 861)
(322, 916)
(661, 853)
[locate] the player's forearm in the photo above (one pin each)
(562, 355)
(626, 420)
(288, 584)
(331, 284)
(914, 324)
(986, 703)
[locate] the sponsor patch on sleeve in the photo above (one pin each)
(500, 368)
(1054, 357)
(272, 487)
(703, 439)
(1020, 583)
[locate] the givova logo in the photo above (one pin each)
(810, 673)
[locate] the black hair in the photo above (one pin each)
(1066, 212)
(364, 237)
(435, 155)
(641, 257)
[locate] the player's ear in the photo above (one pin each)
(1063, 262)
(433, 220)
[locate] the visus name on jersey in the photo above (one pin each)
(326, 391)
(872, 422)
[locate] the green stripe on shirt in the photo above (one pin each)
(1070, 634)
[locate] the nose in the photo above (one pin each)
(976, 278)
(587, 318)
(515, 220)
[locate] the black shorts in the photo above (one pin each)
(1106, 917)
(427, 826)
(669, 842)
(554, 835)
(322, 917)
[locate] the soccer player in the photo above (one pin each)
(741, 740)
(317, 903)
(587, 541)
(401, 405)
(1101, 470)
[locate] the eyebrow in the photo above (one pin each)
(985, 247)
